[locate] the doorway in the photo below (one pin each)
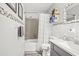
(31, 29)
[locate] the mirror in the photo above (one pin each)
(72, 11)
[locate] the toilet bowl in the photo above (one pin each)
(46, 49)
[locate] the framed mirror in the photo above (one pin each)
(13, 6)
(20, 11)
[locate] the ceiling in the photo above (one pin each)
(37, 7)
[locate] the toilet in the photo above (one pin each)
(46, 49)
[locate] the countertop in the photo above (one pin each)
(67, 46)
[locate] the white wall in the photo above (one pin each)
(60, 30)
(32, 15)
(10, 43)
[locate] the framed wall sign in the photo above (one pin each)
(13, 6)
(20, 11)
(20, 31)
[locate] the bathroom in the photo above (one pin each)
(64, 29)
(39, 29)
(52, 34)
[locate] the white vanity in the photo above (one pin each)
(59, 47)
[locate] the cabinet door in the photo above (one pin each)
(52, 52)
(60, 52)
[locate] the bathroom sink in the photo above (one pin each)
(66, 38)
(69, 44)
(65, 44)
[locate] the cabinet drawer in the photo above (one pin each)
(52, 46)
(60, 51)
(52, 52)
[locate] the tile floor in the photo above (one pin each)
(31, 53)
(30, 48)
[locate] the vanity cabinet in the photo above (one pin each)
(57, 51)
(52, 52)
